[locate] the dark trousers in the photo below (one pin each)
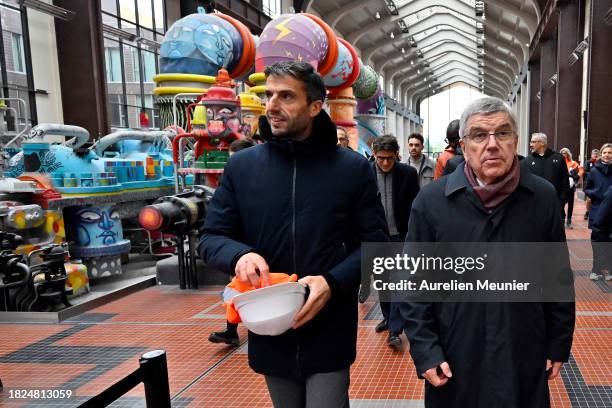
(322, 390)
(390, 310)
(570, 206)
(602, 251)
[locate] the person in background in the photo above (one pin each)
(240, 144)
(452, 138)
(587, 169)
(575, 173)
(602, 228)
(398, 185)
(422, 163)
(230, 334)
(600, 178)
(343, 139)
(550, 165)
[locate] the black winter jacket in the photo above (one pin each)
(600, 178)
(602, 223)
(305, 207)
(405, 188)
(552, 167)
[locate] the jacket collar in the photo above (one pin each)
(547, 153)
(458, 181)
(323, 135)
(603, 167)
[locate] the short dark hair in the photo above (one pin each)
(240, 144)
(304, 72)
(417, 136)
(385, 142)
(452, 131)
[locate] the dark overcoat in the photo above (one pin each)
(497, 351)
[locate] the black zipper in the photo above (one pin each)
(293, 211)
(294, 244)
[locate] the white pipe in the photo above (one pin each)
(115, 137)
(79, 136)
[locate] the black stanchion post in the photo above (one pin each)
(180, 253)
(154, 369)
(193, 270)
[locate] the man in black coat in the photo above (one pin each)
(298, 204)
(547, 163)
(481, 355)
(398, 185)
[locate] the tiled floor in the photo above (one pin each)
(90, 352)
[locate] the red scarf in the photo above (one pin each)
(493, 194)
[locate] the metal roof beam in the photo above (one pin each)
(409, 9)
(530, 20)
(334, 17)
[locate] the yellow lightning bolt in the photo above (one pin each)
(282, 30)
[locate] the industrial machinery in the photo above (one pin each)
(182, 215)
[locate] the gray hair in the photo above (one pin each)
(566, 150)
(485, 106)
(541, 136)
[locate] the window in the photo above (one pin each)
(149, 65)
(271, 8)
(17, 49)
(115, 110)
(14, 67)
(112, 59)
(133, 62)
(131, 66)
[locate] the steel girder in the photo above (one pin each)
(334, 17)
(460, 59)
(530, 20)
(408, 9)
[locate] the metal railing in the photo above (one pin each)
(153, 373)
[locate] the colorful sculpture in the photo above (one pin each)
(251, 108)
(223, 124)
(97, 237)
(342, 112)
(302, 37)
(38, 228)
(202, 44)
(345, 71)
(194, 49)
(367, 83)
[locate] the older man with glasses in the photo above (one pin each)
(485, 354)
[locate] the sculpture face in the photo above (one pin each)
(179, 40)
(222, 120)
(97, 226)
(214, 43)
(250, 123)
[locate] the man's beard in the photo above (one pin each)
(290, 133)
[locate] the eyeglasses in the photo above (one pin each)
(500, 136)
(381, 159)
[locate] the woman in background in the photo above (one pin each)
(600, 179)
(575, 173)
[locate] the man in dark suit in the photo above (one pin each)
(398, 184)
